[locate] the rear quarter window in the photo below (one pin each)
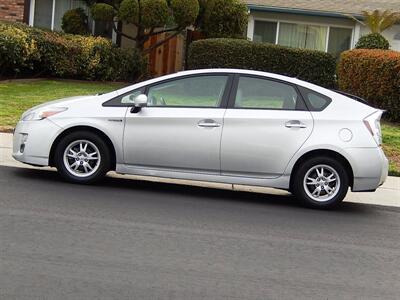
(314, 100)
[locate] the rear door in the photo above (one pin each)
(265, 124)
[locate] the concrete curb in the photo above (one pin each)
(387, 195)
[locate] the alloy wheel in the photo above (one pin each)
(82, 158)
(321, 183)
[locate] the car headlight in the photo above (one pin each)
(44, 113)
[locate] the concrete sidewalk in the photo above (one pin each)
(388, 194)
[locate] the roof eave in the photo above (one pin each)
(306, 12)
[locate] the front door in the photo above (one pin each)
(264, 126)
(180, 128)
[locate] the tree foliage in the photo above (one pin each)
(224, 18)
(378, 21)
(151, 17)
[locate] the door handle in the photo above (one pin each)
(295, 124)
(208, 123)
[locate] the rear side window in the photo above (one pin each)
(315, 101)
(261, 93)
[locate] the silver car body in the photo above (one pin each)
(246, 146)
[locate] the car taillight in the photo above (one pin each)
(373, 124)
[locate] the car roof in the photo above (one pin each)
(227, 70)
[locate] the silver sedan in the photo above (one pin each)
(220, 125)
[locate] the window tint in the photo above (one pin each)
(262, 93)
(126, 99)
(315, 101)
(200, 91)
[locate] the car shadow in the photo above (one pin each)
(201, 193)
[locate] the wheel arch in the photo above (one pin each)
(96, 131)
(323, 152)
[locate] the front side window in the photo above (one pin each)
(127, 99)
(194, 91)
(259, 93)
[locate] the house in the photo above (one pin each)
(315, 24)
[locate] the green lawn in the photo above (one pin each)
(391, 146)
(16, 96)
(19, 95)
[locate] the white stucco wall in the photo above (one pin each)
(389, 34)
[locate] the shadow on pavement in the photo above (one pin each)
(201, 193)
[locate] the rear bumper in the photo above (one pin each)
(370, 168)
(32, 141)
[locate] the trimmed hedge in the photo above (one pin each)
(310, 65)
(373, 75)
(373, 41)
(27, 51)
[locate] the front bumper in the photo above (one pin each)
(370, 168)
(32, 141)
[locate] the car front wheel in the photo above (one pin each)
(82, 157)
(321, 182)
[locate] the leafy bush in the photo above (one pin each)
(74, 21)
(32, 51)
(314, 66)
(17, 50)
(224, 18)
(373, 41)
(373, 75)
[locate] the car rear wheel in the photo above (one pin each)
(321, 182)
(82, 157)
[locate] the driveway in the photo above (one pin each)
(125, 239)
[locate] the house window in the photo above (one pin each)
(303, 36)
(43, 10)
(316, 37)
(265, 32)
(339, 40)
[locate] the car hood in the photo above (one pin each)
(64, 102)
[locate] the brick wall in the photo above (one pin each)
(12, 10)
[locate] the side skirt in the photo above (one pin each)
(281, 182)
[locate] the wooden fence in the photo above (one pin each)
(168, 58)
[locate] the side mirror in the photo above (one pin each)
(139, 102)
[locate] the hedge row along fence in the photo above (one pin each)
(373, 75)
(313, 66)
(27, 51)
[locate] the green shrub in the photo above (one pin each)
(74, 21)
(185, 11)
(373, 41)
(154, 13)
(33, 51)
(373, 75)
(313, 66)
(102, 11)
(224, 18)
(17, 50)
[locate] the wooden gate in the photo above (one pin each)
(167, 58)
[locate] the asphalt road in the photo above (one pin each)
(125, 239)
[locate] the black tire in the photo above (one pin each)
(299, 189)
(103, 166)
